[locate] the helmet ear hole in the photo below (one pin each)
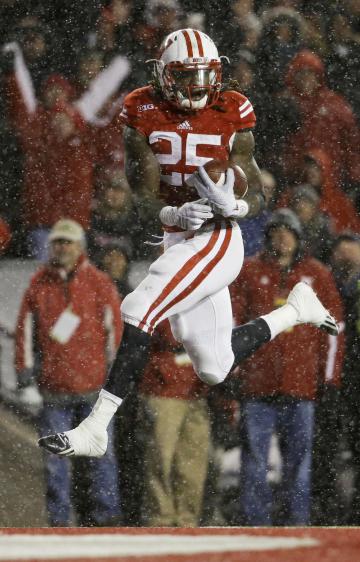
(157, 72)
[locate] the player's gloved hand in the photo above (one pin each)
(11, 47)
(8, 52)
(222, 197)
(189, 216)
(241, 210)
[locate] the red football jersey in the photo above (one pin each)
(184, 140)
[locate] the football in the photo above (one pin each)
(216, 170)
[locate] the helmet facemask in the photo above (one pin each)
(192, 86)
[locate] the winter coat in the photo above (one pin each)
(78, 366)
(333, 201)
(298, 360)
(169, 372)
(327, 122)
(58, 174)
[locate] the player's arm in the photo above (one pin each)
(141, 167)
(143, 174)
(242, 154)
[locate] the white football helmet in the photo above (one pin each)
(189, 69)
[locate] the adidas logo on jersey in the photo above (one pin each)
(185, 126)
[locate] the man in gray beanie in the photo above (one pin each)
(318, 232)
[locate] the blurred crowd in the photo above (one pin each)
(64, 70)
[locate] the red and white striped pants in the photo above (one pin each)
(189, 285)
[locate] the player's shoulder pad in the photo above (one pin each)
(138, 109)
(239, 109)
(137, 100)
(233, 96)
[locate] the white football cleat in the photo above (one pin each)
(81, 441)
(310, 310)
(90, 438)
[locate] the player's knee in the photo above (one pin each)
(212, 378)
(126, 305)
(213, 368)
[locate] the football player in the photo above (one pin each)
(171, 129)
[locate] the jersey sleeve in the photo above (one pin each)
(131, 114)
(242, 112)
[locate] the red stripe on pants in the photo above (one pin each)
(196, 282)
(181, 274)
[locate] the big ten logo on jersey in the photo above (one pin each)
(145, 107)
(182, 151)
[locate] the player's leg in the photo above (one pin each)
(205, 331)
(214, 346)
(302, 307)
(184, 276)
(90, 438)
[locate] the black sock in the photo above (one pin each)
(248, 338)
(129, 363)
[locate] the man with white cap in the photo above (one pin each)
(68, 328)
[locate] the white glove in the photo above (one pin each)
(189, 216)
(222, 197)
(12, 47)
(242, 209)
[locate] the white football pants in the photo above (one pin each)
(188, 284)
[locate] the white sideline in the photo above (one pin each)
(25, 547)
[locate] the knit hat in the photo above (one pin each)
(284, 217)
(305, 191)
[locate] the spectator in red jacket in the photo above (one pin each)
(317, 170)
(58, 157)
(327, 121)
(280, 390)
(67, 332)
(60, 151)
(101, 93)
(173, 415)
